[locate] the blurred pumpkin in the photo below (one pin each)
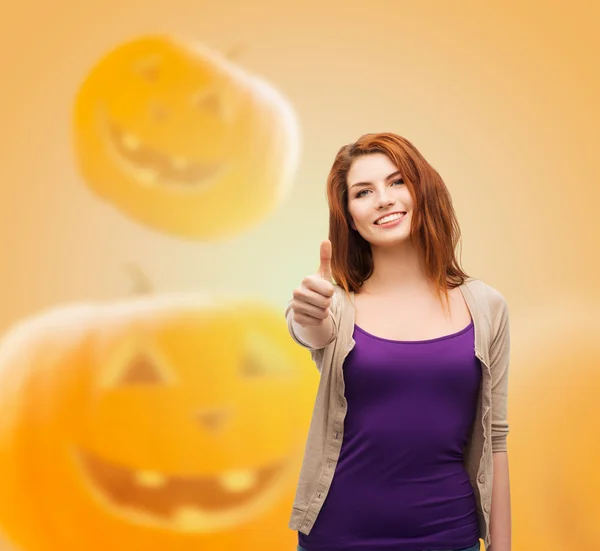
(162, 422)
(4, 546)
(183, 140)
(555, 418)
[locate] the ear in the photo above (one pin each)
(352, 224)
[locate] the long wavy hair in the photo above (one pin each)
(434, 228)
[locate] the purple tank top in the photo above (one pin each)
(400, 482)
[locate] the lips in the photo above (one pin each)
(402, 213)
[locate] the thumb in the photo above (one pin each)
(325, 266)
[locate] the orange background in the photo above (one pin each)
(500, 97)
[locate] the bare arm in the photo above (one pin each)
(500, 516)
(312, 336)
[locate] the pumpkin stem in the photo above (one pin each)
(141, 282)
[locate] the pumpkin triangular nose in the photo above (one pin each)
(215, 418)
(212, 102)
(142, 370)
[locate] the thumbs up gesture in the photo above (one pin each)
(312, 299)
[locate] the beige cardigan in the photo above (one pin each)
(489, 312)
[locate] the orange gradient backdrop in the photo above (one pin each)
(500, 97)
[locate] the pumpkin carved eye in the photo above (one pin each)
(262, 357)
(148, 69)
(142, 370)
(208, 100)
(252, 367)
(135, 364)
(216, 102)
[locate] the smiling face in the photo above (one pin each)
(173, 134)
(172, 426)
(146, 134)
(379, 202)
(169, 496)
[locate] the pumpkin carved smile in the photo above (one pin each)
(153, 167)
(167, 131)
(168, 421)
(188, 502)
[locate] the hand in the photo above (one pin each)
(312, 299)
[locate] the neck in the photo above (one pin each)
(397, 270)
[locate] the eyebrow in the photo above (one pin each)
(397, 173)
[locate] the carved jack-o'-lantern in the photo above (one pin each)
(183, 140)
(162, 422)
(555, 420)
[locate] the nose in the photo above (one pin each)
(385, 199)
(214, 419)
(157, 111)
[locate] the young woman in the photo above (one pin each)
(406, 449)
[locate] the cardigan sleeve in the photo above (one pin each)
(499, 364)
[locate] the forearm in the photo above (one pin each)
(314, 336)
(500, 514)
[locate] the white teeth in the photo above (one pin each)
(238, 481)
(191, 519)
(150, 479)
(389, 218)
(232, 481)
(130, 141)
(179, 162)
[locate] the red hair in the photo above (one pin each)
(434, 228)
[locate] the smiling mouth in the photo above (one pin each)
(186, 503)
(388, 219)
(151, 166)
